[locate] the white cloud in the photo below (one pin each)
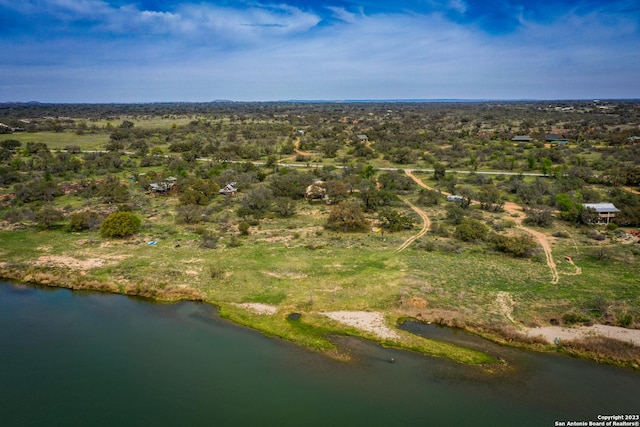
(458, 5)
(202, 52)
(245, 24)
(343, 15)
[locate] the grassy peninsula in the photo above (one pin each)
(338, 208)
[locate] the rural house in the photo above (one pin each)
(164, 186)
(229, 189)
(556, 138)
(605, 211)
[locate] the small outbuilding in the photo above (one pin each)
(605, 211)
(522, 138)
(164, 186)
(229, 189)
(556, 138)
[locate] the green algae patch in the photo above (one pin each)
(278, 325)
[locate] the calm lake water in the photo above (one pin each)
(88, 359)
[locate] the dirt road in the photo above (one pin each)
(426, 223)
(516, 212)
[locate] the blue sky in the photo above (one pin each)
(199, 50)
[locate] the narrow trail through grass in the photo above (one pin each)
(515, 211)
(631, 190)
(426, 224)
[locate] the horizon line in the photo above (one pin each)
(328, 101)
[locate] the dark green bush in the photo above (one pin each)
(573, 317)
(243, 227)
(521, 246)
(120, 224)
(82, 221)
(470, 230)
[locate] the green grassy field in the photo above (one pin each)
(59, 140)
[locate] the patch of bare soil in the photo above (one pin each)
(5, 225)
(554, 333)
(415, 302)
(276, 239)
(285, 274)
(505, 304)
(69, 262)
(367, 321)
(631, 190)
(259, 308)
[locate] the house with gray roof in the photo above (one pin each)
(605, 211)
(229, 189)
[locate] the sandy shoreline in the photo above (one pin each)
(553, 333)
(372, 322)
(258, 308)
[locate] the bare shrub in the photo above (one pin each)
(209, 241)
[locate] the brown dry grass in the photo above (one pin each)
(604, 349)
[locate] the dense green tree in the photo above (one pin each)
(336, 190)
(38, 190)
(471, 230)
(8, 176)
(111, 190)
(330, 148)
(37, 148)
(85, 220)
(243, 228)
(395, 181)
(291, 184)
(489, 198)
(48, 216)
(520, 245)
(439, 171)
(347, 216)
(10, 144)
(120, 224)
(374, 199)
(16, 215)
(256, 202)
(540, 217)
(393, 220)
(403, 156)
(189, 214)
(455, 213)
(284, 207)
(428, 197)
(367, 172)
